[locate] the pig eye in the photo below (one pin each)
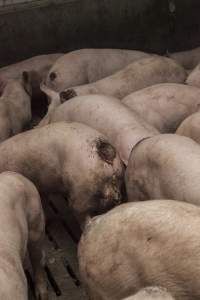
(52, 76)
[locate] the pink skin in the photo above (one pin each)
(194, 77)
(151, 293)
(164, 105)
(22, 231)
(136, 76)
(53, 100)
(40, 64)
(70, 159)
(85, 65)
(140, 244)
(124, 130)
(37, 67)
(15, 107)
(190, 127)
(188, 59)
(165, 166)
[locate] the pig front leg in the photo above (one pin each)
(37, 257)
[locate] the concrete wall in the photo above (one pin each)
(48, 26)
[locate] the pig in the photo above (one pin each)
(37, 67)
(21, 231)
(136, 76)
(140, 244)
(165, 166)
(190, 127)
(69, 159)
(151, 293)
(164, 105)
(194, 77)
(15, 107)
(54, 100)
(188, 59)
(88, 65)
(123, 130)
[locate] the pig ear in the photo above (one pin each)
(106, 151)
(26, 81)
(66, 95)
(25, 76)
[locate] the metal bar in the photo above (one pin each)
(20, 5)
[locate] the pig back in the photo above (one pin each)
(136, 244)
(164, 105)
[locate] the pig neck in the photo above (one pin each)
(128, 138)
(54, 103)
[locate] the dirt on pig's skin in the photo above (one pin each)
(81, 168)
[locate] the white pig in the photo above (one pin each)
(166, 166)
(151, 293)
(136, 76)
(188, 59)
(135, 245)
(190, 127)
(38, 66)
(69, 159)
(109, 116)
(164, 105)
(15, 107)
(21, 230)
(88, 65)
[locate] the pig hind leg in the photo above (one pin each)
(37, 255)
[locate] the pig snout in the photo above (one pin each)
(106, 151)
(66, 95)
(113, 189)
(112, 194)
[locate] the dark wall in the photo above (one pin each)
(150, 25)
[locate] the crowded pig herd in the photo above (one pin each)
(120, 127)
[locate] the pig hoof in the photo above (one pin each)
(52, 76)
(66, 95)
(41, 293)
